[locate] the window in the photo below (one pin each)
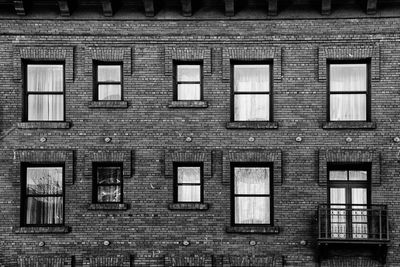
(44, 92)
(188, 81)
(348, 198)
(252, 196)
(348, 91)
(252, 92)
(107, 183)
(108, 81)
(43, 195)
(188, 182)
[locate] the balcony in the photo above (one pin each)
(353, 227)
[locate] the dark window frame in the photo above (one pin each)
(95, 187)
(176, 165)
(177, 63)
(270, 92)
(96, 83)
(269, 165)
(367, 92)
(26, 94)
(24, 195)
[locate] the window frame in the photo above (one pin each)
(176, 165)
(26, 94)
(269, 165)
(269, 93)
(96, 83)
(95, 186)
(367, 92)
(176, 63)
(24, 195)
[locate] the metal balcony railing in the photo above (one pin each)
(353, 223)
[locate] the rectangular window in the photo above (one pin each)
(44, 92)
(108, 81)
(43, 195)
(188, 81)
(348, 201)
(188, 182)
(251, 92)
(107, 183)
(252, 203)
(348, 91)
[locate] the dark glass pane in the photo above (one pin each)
(108, 175)
(109, 193)
(44, 180)
(44, 210)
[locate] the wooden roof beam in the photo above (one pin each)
(20, 7)
(372, 7)
(186, 8)
(149, 9)
(229, 8)
(108, 8)
(326, 7)
(272, 7)
(65, 7)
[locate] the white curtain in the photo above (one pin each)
(45, 78)
(338, 212)
(191, 192)
(110, 74)
(42, 209)
(251, 78)
(252, 209)
(191, 89)
(348, 78)
(359, 215)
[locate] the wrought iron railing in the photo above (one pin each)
(368, 223)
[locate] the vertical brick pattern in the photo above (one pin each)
(107, 261)
(254, 261)
(113, 54)
(126, 157)
(56, 261)
(172, 156)
(188, 260)
(350, 262)
(187, 54)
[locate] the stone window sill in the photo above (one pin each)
(44, 125)
(265, 125)
(343, 125)
(42, 230)
(108, 206)
(108, 104)
(188, 206)
(188, 104)
(265, 230)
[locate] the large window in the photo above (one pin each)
(348, 199)
(108, 81)
(251, 92)
(348, 91)
(188, 182)
(107, 183)
(44, 92)
(43, 195)
(188, 81)
(252, 196)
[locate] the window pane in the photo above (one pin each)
(189, 175)
(251, 180)
(188, 73)
(110, 193)
(44, 210)
(45, 107)
(109, 73)
(189, 193)
(44, 180)
(251, 78)
(109, 92)
(252, 210)
(189, 92)
(251, 108)
(108, 175)
(348, 107)
(45, 78)
(338, 196)
(358, 175)
(338, 175)
(348, 77)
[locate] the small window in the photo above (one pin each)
(188, 81)
(251, 92)
(43, 195)
(348, 92)
(108, 81)
(188, 182)
(44, 92)
(252, 203)
(107, 183)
